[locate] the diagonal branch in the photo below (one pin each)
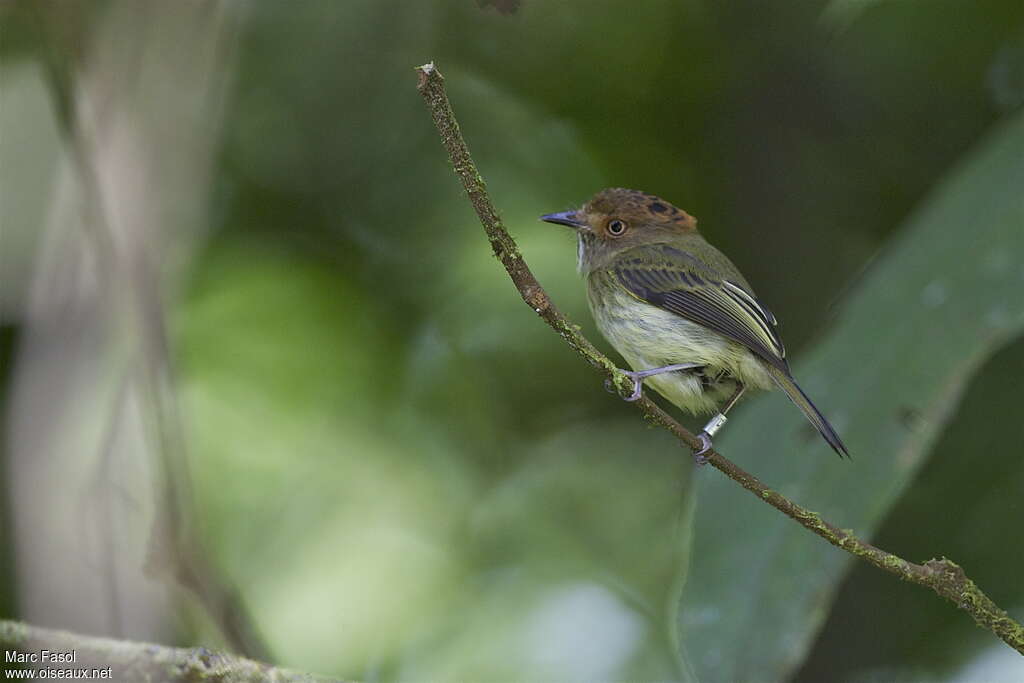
(943, 576)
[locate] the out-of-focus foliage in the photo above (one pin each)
(381, 501)
(972, 482)
(943, 309)
(409, 477)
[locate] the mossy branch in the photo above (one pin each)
(943, 576)
(135, 661)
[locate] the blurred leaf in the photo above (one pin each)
(840, 14)
(940, 299)
(1006, 75)
(908, 632)
(555, 486)
(303, 477)
(28, 158)
(582, 552)
(524, 626)
(502, 6)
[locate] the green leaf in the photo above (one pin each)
(963, 505)
(937, 303)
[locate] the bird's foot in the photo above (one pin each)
(638, 385)
(638, 377)
(710, 429)
(705, 445)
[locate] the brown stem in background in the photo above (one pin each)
(176, 550)
(943, 576)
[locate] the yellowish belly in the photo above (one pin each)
(650, 337)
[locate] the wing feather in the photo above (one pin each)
(682, 284)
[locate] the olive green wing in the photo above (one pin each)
(676, 281)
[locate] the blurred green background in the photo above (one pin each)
(250, 320)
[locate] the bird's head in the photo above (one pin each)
(618, 219)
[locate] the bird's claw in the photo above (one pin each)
(705, 445)
(638, 377)
(638, 386)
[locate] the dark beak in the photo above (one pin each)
(564, 218)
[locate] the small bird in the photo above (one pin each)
(678, 310)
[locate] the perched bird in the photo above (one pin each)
(678, 310)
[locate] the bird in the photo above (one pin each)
(679, 311)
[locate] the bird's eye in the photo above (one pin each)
(616, 227)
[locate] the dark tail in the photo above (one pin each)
(797, 396)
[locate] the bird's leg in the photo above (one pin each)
(715, 424)
(638, 376)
